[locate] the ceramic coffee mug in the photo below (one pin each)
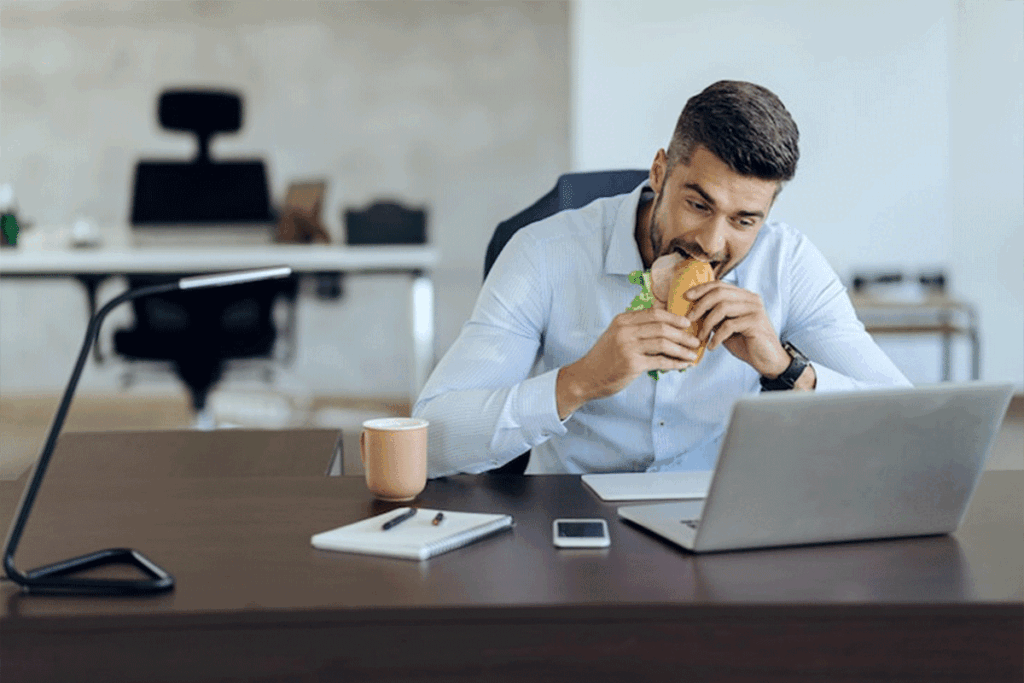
(394, 454)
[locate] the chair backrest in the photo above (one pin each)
(200, 190)
(572, 191)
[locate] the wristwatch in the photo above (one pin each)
(788, 378)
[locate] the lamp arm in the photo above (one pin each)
(55, 577)
(29, 495)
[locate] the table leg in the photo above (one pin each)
(947, 351)
(422, 331)
(91, 283)
(975, 346)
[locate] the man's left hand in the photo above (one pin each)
(739, 322)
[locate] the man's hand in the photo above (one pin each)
(739, 322)
(635, 342)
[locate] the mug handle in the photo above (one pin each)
(362, 447)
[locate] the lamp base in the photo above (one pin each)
(54, 578)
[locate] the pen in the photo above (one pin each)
(438, 518)
(391, 523)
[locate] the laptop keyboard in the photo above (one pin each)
(692, 523)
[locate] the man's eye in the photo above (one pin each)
(697, 205)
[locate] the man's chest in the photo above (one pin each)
(579, 319)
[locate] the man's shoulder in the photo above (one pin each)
(777, 249)
(780, 232)
(778, 239)
(580, 226)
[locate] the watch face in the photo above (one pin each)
(793, 351)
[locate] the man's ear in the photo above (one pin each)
(659, 168)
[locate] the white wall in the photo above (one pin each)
(462, 107)
(910, 123)
(987, 175)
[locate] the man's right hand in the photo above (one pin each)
(635, 342)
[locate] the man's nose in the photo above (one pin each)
(711, 237)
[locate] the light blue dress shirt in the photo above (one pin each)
(553, 291)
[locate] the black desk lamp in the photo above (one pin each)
(53, 578)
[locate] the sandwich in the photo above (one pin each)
(687, 274)
(670, 277)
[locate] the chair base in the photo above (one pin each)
(205, 421)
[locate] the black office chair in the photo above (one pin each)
(572, 191)
(198, 332)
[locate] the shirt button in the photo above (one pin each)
(662, 423)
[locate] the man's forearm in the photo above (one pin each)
(568, 392)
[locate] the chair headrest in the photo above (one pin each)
(576, 190)
(202, 111)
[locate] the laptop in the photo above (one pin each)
(804, 468)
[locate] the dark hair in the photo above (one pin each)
(744, 125)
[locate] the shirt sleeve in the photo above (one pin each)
(822, 323)
(482, 406)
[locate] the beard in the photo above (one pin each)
(656, 232)
(658, 248)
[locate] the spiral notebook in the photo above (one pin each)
(416, 538)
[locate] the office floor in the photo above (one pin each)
(24, 421)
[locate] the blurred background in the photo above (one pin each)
(911, 160)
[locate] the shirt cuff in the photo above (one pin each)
(537, 408)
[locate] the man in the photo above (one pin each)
(775, 318)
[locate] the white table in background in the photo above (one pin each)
(44, 253)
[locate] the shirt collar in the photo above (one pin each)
(623, 254)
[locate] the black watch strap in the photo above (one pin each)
(787, 380)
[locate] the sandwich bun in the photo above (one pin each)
(688, 273)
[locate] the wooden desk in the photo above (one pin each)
(254, 601)
(191, 454)
(91, 266)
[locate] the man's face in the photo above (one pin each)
(707, 211)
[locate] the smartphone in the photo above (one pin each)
(580, 533)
